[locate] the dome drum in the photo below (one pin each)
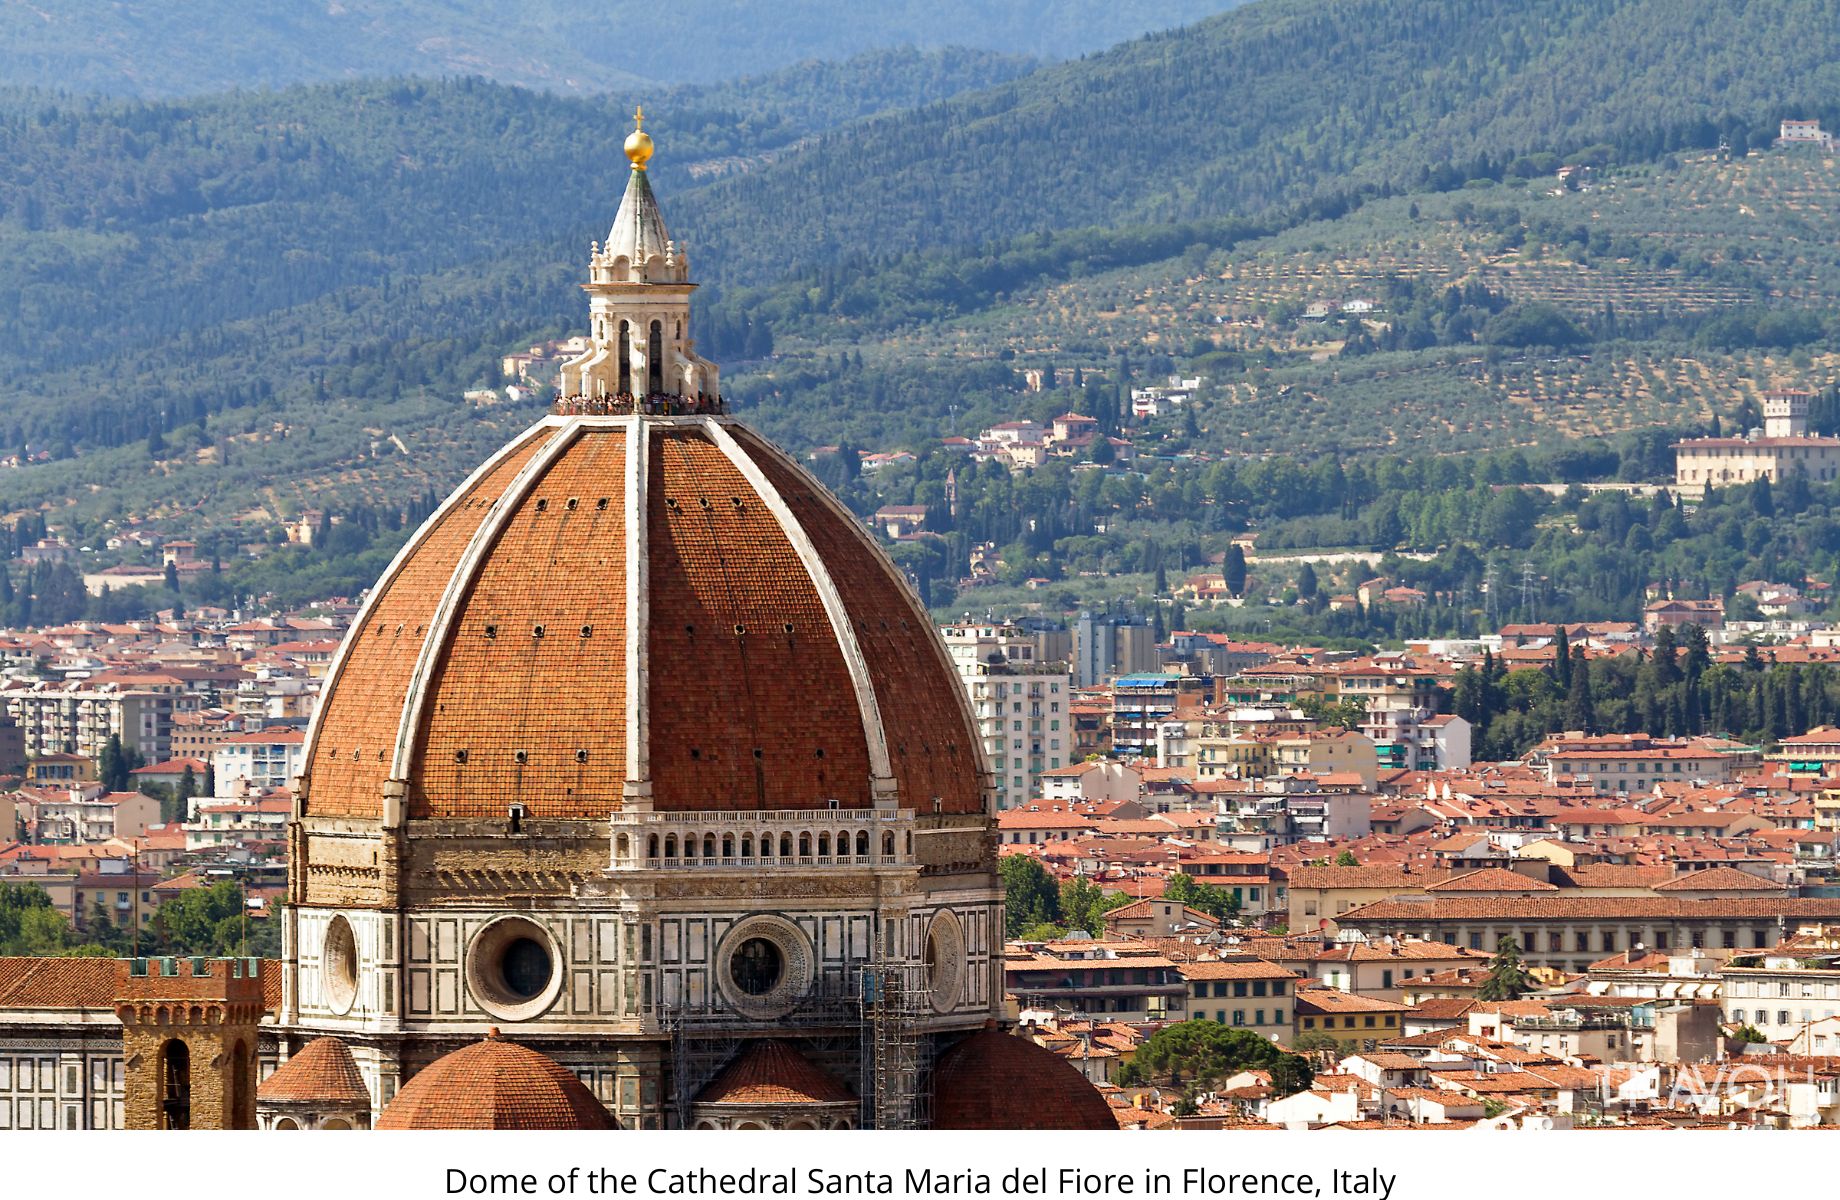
(784, 838)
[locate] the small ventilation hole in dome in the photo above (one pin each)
(581, 756)
(520, 757)
(572, 503)
(740, 630)
(460, 756)
(543, 505)
(536, 631)
(601, 504)
(703, 502)
(491, 631)
(587, 631)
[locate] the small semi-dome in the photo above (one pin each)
(771, 1072)
(994, 1080)
(495, 1084)
(321, 1072)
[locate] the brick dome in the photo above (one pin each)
(321, 1072)
(635, 605)
(771, 1072)
(994, 1080)
(495, 1084)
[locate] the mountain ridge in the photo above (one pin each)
(205, 46)
(1274, 103)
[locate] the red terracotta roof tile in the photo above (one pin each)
(59, 982)
(322, 1070)
(992, 1080)
(773, 1072)
(495, 1084)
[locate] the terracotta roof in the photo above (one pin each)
(750, 696)
(495, 1084)
(322, 1070)
(1491, 879)
(1375, 876)
(1610, 875)
(1256, 969)
(1587, 908)
(1718, 879)
(361, 706)
(1318, 1000)
(59, 982)
(773, 1072)
(991, 1080)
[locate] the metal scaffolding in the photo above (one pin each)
(704, 1037)
(892, 998)
(870, 1018)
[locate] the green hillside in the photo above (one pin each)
(1666, 269)
(218, 312)
(203, 46)
(1281, 101)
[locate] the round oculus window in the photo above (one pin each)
(339, 965)
(757, 966)
(513, 968)
(526, 968)
(764, 966)
(943, 959)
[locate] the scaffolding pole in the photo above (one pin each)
(892, 1047)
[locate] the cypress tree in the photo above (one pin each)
(1580, 711)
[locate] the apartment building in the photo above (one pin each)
(1021, 705)
(1572, 932)
(1781, 992)
(1246, 993)
(1121, 980)
(1636, 762)
(78, 717)
(268, 758)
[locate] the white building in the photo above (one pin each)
(1020, 704)
(1784, 448)
(1782, 991)
(267, 758)
(78, 717)
(1804, 133)
(232, 823)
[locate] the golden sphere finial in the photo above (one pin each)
(639, 142)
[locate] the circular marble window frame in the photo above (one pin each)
(945, 974)
(799, 967)
(485, 977)
(339, 964)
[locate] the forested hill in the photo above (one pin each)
(1281, 100)
(344, 260)
(200, 46)
(233, 206)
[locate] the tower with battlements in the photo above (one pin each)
(189, 1030)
